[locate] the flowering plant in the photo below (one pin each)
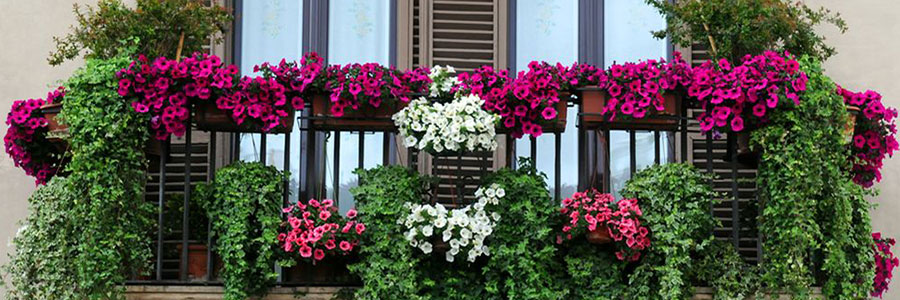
(885, 262)
(165, 88)
(26, 138)
(591, 210)
(443, 84)
(354, 85)
(464, 229)
(637, 89)
(461, 125)
(535, 94)
(874, 135)
(315, 229)
(298, 80)
(742, 95)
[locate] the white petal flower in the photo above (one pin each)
(427, 230)
(426, 247)
(449, 257)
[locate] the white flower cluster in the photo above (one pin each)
(464, 229)
(459, 126)
(442, 81)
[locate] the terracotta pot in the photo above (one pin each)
(850, 126)
(593, 100)
(197, 261)
(365, 118)
(55, 130)
(599, 235)
(210, 118)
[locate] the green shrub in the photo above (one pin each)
(593, 273)
(41, 266)
(675, 200)
(108, 175)
(154, 26)
(244, 205)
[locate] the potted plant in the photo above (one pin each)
(459, 126)
(318, 241)
(363, 96)
(885, 262)
(873, 134)
(29, 141)
(633, 95)
(603, 220)
(454, 232)
(197, 233)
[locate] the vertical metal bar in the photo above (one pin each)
(287, 169)
(557, 166)
(362, 149)
(336, 180)
(386, 148)
(262, 148)
(607, 181)
(684, 133)
(632, 152)
(510, 152)
(656, 146)
(185, 234)
(162, 199)
(735, 203)
(210, 176)
(533, 151)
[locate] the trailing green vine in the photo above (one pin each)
(107, 180)
(593, 273)
(675, 199)
(811, 207)
(388, 268)
(244, 205)
(40, 267)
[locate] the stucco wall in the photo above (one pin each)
(864, 62)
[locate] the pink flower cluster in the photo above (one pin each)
(885, 262)
(298, 81)
(166, 87)
(740, 96)
(314, 230)
(355, 85)
(636, 89)
(26, 138)
(874, 136)
(591, 210)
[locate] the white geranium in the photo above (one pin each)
(460, 125)
(464, 229)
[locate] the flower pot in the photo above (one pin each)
(197, 261)
(600, 235)
(364, 118)
(593, 100)
(745, 154)
(850, 126)
(558, 124)
(210, 118)
(56, 132)
(330, 270)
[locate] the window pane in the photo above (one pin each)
(627, 25)
(271, 30)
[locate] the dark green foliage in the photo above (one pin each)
(523, 260)
(41, 266)
(107, 180)
(594, 273)
(155, 27)
(809, 203)
(675, 200)
(741, 27)
(388, 268)
(244, 204)
(721, 267)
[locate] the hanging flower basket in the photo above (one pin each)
(55, 131)
(593, 100)
(364, 118)
(210, 118)
(600, 235)
(850, 126)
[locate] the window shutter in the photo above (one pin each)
(748, 241)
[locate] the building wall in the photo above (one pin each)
(27, 28)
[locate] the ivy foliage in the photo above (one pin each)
(107, 180)
(734, 28)
(388, 268)
(722, 267)
(244, 205)
(40, 267)
(810, 204)
(675, 200)
(593, 273)
(158, 25)
(523, 260)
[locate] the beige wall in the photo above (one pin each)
(864, 62)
